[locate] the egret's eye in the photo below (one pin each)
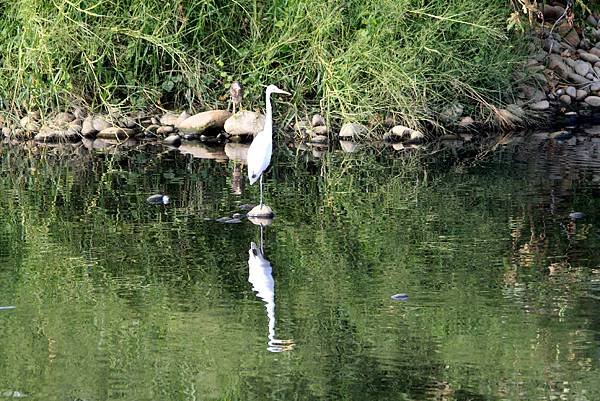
(253, 175)
(255, 252)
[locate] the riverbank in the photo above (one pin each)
(456, 78)
(360, 62)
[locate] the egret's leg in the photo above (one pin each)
(233, 107)
(261, 192)
(262, 247)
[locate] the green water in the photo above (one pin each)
(117, 299)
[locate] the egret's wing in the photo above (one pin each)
(259, 156)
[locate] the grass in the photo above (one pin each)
(353, 60)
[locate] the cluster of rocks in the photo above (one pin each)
(565, 65)
(171, 128)
(314, 131)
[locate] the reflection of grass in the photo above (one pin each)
(354, 59)
(160, 299)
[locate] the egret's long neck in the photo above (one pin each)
(269, 116)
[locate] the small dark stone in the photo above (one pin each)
(246, 206)
(190, 137)
(238, 216)
(173, 140)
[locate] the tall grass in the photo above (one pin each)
(352, 59)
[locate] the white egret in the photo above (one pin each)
(259, 153)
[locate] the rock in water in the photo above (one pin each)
(400, 297)
(261, 211)
(173, 140)
(158, 199)
(576, 215)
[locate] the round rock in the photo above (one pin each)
(593, 101)
(164, 130)
(100, 123)
(168, 119)
(87, 127)
(350, 130)
(566, 99)
(173, 140)
(201, 122)
(541, 105)
(317, 120)
(245, 123)
(261, 211)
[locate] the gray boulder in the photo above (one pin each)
(593, 101)
(100, 123)
(350, 130)
(87, 127)
(169, 119)
(541, 105)
(582, 67)
(202, 122)
(245, 123)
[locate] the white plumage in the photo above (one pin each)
(261, 148)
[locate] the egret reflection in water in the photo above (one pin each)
(260, 275)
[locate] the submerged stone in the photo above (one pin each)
(576, 215)
(261, 211)
(400, 297)
(158, 199)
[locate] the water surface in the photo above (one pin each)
(119, 299)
